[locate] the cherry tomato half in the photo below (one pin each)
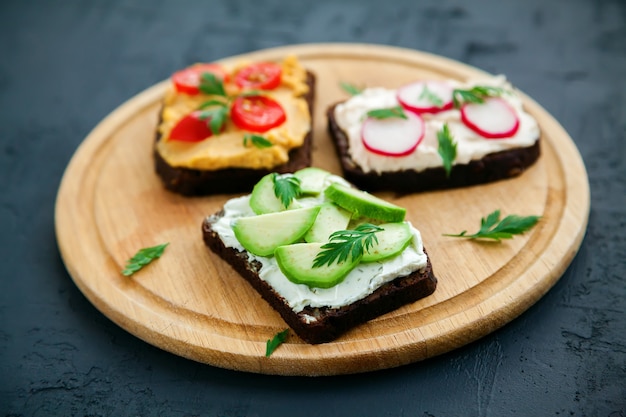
(187, 80)
(262, 76)
(191, 128)
(257, 113)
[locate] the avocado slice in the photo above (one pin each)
(364, 204)
(296, 262)
(312, 180)
(392, 240)
(330, 219)
(263, 198)
(262, 234)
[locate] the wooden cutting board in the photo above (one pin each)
(189, 302)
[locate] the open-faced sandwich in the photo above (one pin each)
(322, 253)
(433, 134)
(221, 129)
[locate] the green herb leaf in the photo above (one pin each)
(351, 89)
(278, 339)
(248, 93)
(492, 228)
(344, 243)
(387, 113)
(142, 258)
(216, 116)
(286, 188)
(430, 96)
(256, 140)
(212, 103)
(211, 84)
(476, 94)
(447, 148)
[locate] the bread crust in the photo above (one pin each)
(196, 182)
(331, 322)
(492, 167)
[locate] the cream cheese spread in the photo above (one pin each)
(470, 145)
(360, 282)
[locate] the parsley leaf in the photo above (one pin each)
(351, 89)
(492, 227)
(476, 94)
(447, 148)
(142, 258)
(278, 339)
(216, 117)
(250, 93)
(212, 103)
(211, 84)
(344, 243)
(430, 97)
(387, 113)
(286, 188)
(256, 140)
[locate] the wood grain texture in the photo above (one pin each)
(189, 302)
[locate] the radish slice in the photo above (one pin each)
(393, 136)
(426, 96)
(493, 119)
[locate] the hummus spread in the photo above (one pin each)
(227, 150)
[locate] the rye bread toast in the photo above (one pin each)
(328, 323)
(196, 182)
(492, 167)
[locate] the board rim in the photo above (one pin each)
(289, 359)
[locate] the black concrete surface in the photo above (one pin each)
(66, 64)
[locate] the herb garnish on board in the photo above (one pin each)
(142, 258)
(491, 227)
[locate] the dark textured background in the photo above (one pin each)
(66, 64)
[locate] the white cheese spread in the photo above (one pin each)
(470, 145)
(359, 283)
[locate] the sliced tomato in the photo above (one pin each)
(261, 76)
(191, 128)
(188, 80)
(257, 113)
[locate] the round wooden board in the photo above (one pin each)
(189, 302)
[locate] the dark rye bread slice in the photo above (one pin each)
(196, 182)
(492, 167)
(331, 322)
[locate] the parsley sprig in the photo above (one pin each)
(351, 89)
(387, 113)
(476, 94)
(344, 243)
(256, 140)
(273, 343)
(491, 227)
(447, 148)
(142, 258)
(216, 113)
(286, 188)
(211, 84)
(431, 97)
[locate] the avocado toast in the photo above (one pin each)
(323, 254)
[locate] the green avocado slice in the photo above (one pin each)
(364, 204)
(262, 234)
(296, 262)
